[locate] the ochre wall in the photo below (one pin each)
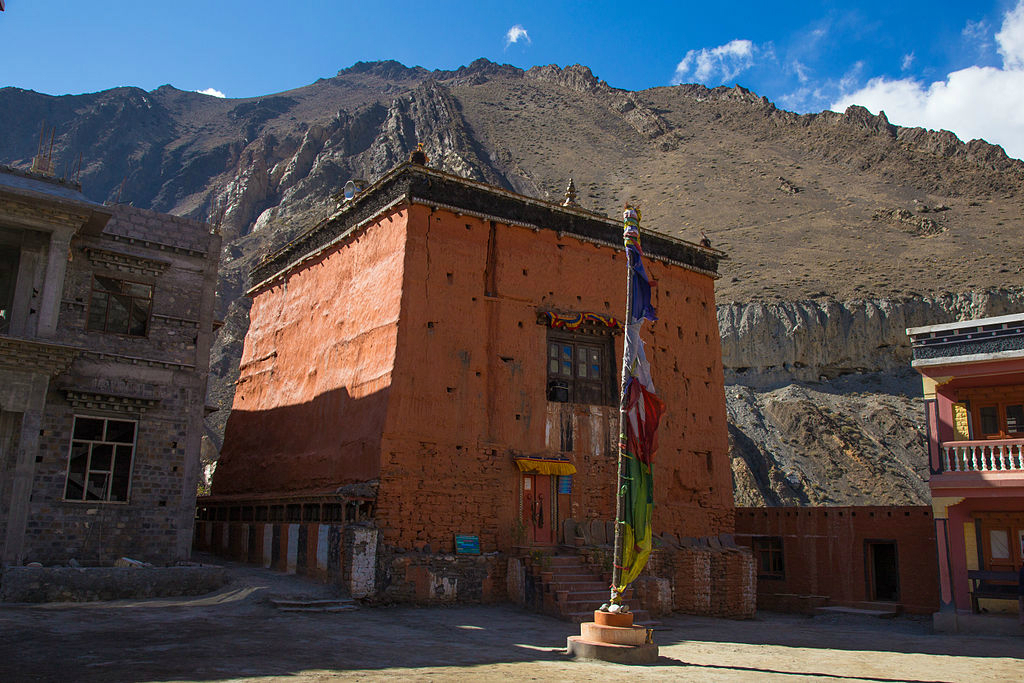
(470, 378)
(312, 393)
(824, 553)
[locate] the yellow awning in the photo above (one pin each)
(545, 466)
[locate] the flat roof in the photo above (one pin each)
(34, 187)
(20, 181)
(416, 184)
(965, 324)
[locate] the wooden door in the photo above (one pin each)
(538, 511)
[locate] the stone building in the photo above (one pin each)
(433, 370)
(106, 319)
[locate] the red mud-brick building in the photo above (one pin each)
(878, 558)
(440, 358)
(973, 376)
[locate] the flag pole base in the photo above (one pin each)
(614, 638)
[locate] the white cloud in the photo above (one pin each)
(798, 68)
(515, 34)
(977, 32)
(976, 102)
(908, 61)
(210, 91)
(716, 65)
(1010, 38)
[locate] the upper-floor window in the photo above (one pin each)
(100, 460)
(996, 412)
(1001, 420)
(120, 306)
(580, 369)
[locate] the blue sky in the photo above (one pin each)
(955, 65)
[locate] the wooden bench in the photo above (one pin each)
(990, 584)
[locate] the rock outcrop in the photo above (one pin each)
(824, 408)
(771, 344)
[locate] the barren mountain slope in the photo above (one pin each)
(820, 214)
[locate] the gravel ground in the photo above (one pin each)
(237, 634)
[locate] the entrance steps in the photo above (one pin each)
(571, 590)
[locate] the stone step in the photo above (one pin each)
(578, 587)
(598, 596)
(879, 613)
(285, 604)
(578, 578)
(319, 610)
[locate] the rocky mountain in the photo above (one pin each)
(841, 229)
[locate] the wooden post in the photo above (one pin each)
(620, 479)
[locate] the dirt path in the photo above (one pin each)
(237, 634)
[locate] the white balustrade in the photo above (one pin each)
(983, 456)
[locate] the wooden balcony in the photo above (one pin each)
(1004, 455)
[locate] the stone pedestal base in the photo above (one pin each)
(613, 638)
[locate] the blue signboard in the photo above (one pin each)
(467, 545)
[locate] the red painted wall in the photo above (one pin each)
(824, 553)
(412, 353)
(470, 382)
(312, 392)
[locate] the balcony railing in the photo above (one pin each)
(983, 456)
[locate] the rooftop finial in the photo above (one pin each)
(418, 156)
(570, 194)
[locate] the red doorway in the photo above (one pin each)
(537, 511)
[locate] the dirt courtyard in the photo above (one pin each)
(236, 634)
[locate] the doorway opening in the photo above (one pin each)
(882, 571)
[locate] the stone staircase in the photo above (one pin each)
(571, 590)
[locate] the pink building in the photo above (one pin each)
(973, 375)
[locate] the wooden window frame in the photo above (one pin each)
(1000, 398)
(100, 296)
(769, 552)
(1013, 525)
(91, 446)
(567, 386)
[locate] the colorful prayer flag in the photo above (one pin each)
(638, 441)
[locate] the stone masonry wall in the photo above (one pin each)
(68, 584)
(716, 582)
(158, 380)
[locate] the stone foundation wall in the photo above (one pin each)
(714, 582)
(84, 584)
(430, 579)
(354, 557)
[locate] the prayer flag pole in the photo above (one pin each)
(640, 410)
(620, 480)
(613, 636)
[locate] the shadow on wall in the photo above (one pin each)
(333, 439)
